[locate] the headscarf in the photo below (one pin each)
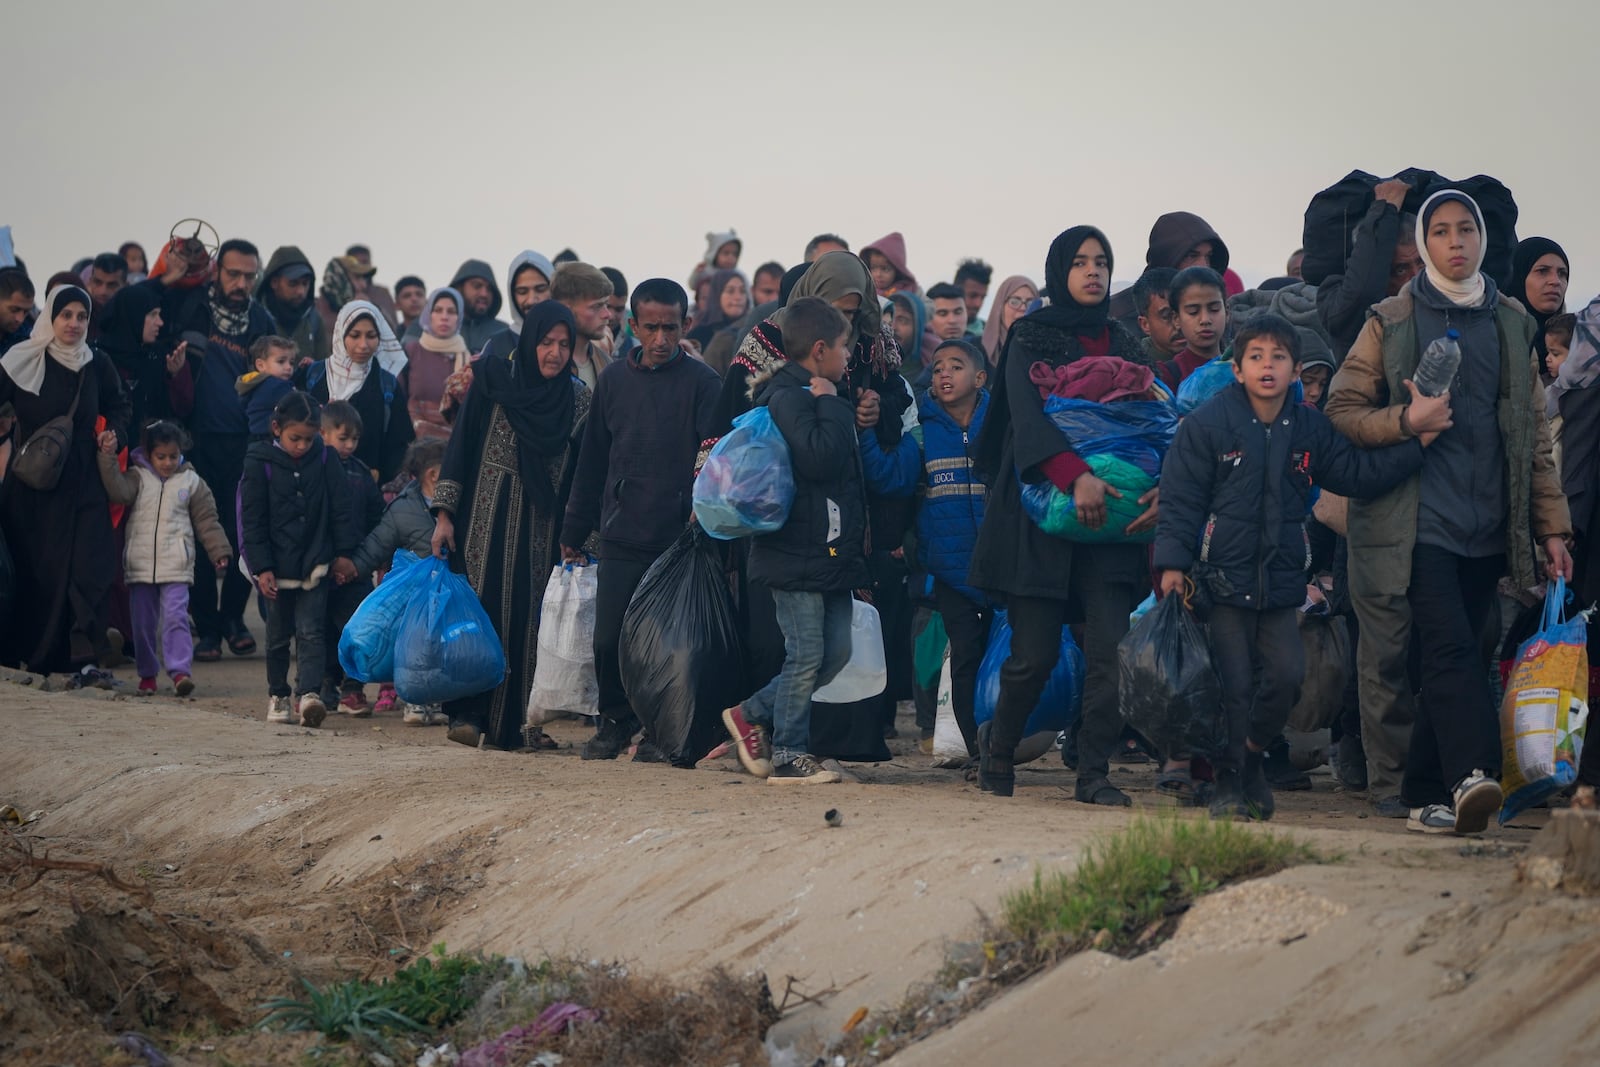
(1523, 258)
(345, 376)
(834, 276)
(992, 338)
(526, 258)
(1470, 292)
(454, 345)
(540, 410)
(125, 317)
(337, 288)
(24, 363)
(1063, 313)
(710, 319)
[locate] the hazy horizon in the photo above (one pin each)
(435, 139)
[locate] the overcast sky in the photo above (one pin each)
(627, 130)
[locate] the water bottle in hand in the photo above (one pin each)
(1439, 365)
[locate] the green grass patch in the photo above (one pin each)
(1141, 877)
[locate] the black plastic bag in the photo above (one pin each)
(680, 657)
(1333, 213)
(1166, 687)
(1326, 641)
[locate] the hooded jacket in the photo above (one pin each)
(504, 344)
(1175, 233)
(951, 510)
(408, 523)
(1236, 494)
(715, 242)
(163, 519)
(893, 248)
(295, 515)
(258, 396)
(304, 326)
(822, 546)
(479, 330)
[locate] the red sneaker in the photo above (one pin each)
(182, 683)
(147, 687)
(750, 742)
(355, 704)
(387, 699)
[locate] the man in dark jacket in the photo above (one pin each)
(474, 280)
(220, 322)
(1178, 239)
(634, 480)
(1382, 260)
(1235, 495)
(285, 290)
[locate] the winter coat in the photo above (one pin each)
(306, 328)
(365, 496)
(163, 518)
(408, 523)
(1343, 298)
(479, 330)
(1236, 495)
(386, 429)
(259, 395)
(821, 548)
(893, 248)
(1013, 556)
(295, 516)
(1366, 402)
(211, 372)
(951, 511)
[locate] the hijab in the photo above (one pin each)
(125, 317)
(24, 364)
(833, 277)
(337, 288)
(710, 319)
(992, 337)
(454, 345)
(1523, 258)
(345, 375)
(540, 410)
(1470, 292)
(1063, 313)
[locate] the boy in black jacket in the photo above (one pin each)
(341, 431)
(1235, 496)
(818, 557)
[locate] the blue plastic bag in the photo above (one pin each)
(1137, 431)
(1213, 377)
(366, 648)
(746, 486)
(1062, 698)
(447, 648)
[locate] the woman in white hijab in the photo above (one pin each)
(363, 370)
(63, 555)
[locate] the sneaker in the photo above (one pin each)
(1258, 787)
(1477, 798)
(207, 650)
(312, 710)
(355, 704)
(1350, 763)
(804, 769)
(278, 710)
(182, 684)
(1227, 795)
(1432, 819)
(464, 733)
(416, 716)
(610, 739)
(147, 687)
(1279, 772)
(749, 742)
(387, 699)
(1391, 808)
(435, 715)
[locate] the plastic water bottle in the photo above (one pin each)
(1439, 365)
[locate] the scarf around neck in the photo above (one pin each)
(24, 364)
(454, 345)
(225, 319)
(345, 375)
(1468, 293)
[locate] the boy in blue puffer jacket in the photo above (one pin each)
(1234, 492)
(950, 513)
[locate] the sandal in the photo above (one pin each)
(538, 739)
(1178, 784)
(240, 643)
(207, 650)
(1102, 793)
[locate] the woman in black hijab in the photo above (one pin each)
(1540, 273)
(1043, 581)
(502, 490)
(133, 323)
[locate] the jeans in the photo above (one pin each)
(343, 600)
(1457, 728)
(615, 583)
(1105, 587)
(967, 625)
(219, 460)
(816, 647)
(299, 614)
(1260, 663)
(160, 617)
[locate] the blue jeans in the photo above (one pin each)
(816, 646)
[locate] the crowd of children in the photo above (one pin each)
(303, 460)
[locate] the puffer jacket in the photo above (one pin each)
(163, 518)
(295, 515)
(407, 524)
(1235, 495)
(951, 510)
(821, 548)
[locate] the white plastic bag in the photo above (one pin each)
(949, 747)
(867, 673)
(564, 678)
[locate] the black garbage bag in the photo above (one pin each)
(1166, 687)
(1326, 641)
(1332, 215)
(680, 656)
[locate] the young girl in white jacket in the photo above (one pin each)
(167, 505)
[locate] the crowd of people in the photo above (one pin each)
(183, 432)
